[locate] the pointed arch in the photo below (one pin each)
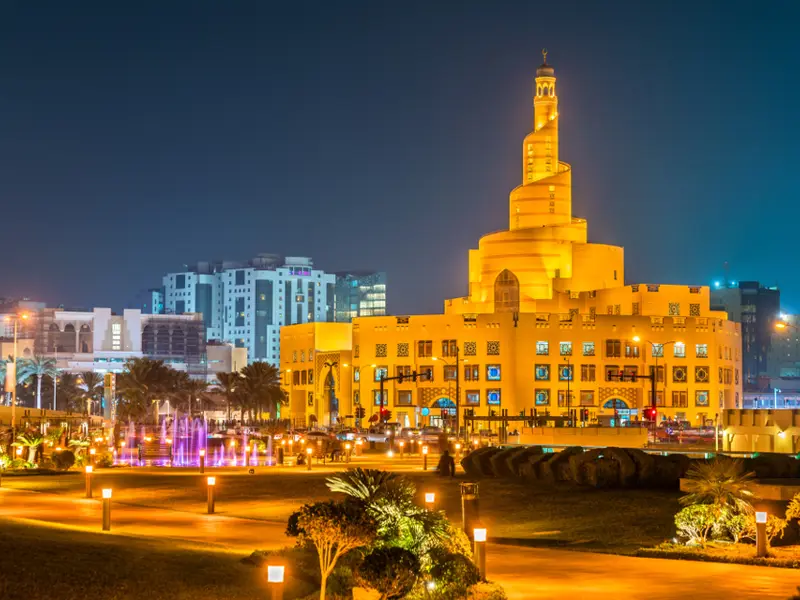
(506, 292)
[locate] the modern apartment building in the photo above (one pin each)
(360, 294)
(245, 304)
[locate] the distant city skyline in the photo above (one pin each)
(385, 137)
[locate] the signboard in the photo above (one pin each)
(109, 393)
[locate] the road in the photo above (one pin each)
(526, 573)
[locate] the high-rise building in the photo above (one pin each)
(757, 308)
(360, 294)
(246, 304)
(547, 325)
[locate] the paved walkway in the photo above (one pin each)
(526, 573)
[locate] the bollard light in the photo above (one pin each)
(309, 453)
(761, 534)
(212, 482)
(202, 452)
(424, 458)
(19, 450)
(202, 460)
(347, 448)
(275, 579)
(761, 517)
(58, 448)
(430, 498)
(169, 441)
(479, 551)
(390, 454)
(88, 470)
(106, 509)
(106, 492)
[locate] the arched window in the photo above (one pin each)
(85, 328)
(162, 341)
(69, 327)
(616, 403)
(67, 342)
(539, 91)
(506, 292)
(54, 327)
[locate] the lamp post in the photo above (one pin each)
(347, 447)
(479, 552)
(13, 383)
(761, 534)
(212, 483)
(107, 509)
(309, 454)
(424, 458)
(430, 500)
(654, 380)
(202, 460)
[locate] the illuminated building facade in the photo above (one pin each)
(360, 294)
(547, 325)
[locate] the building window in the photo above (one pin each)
(311, 376)
(450, 372)
(471, 373)
(355, 351)
(356, 374)
(426, 373)
(562, 398)
(492, 372)
(542, 372)
(493, 348)
(587, 398)
(631, 350)
(613, 349)
(565, 348)
(425, 348)
(404, 370)
(449, 348)
(701, 350)
(588, 348)
(376, 397)
(630, 372)
(239, 277)
(565, 372)
(402, 350)
(404, 398)
(381, 372)
(679, 374)
(493, 397)
(680, 399)
(470, 348)
(658, 350)
(588, 372)
(302, 356)
(635, 309)
(294, 355)
(473, 398)
(380, 350)
(701, 398)
(612, 373)
(679, 350)
(542, 348)
(694, 310)
(303, 377)
(296, 377)
(659, 374)
(701, 374)
(674, 309)
(542, 397)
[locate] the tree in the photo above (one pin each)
(31, 441)
(334, 528)
(391, 571)
(70, 393)
(260, 388)
(721, 483)
(696, 522)
(187, 391)
(368, 485)
(141, 385)
(92, 385)
(226, 386)
(38, 366)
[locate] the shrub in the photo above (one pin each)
(21, 463)
(734, 526)
(775, 528)
(696, 522)
(105, 461)
(453, 573)
(63, 460)
(721, 483)
(391, 571)
(486, 590)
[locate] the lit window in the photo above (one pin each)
(492, 372)
(701, 350)
(565, 348)
(701, 398)
(381, 372)
(680, 350)
(542, 372)
(473, 398)
(542, 397)
(588, 348)
(542, 348)
(658, 350)
(565, 372)
(493, 397)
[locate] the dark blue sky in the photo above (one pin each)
(138, 136)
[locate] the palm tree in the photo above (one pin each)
(70, 392)
(262, 386)
(187, 391)
(31, 441)
(141, 385)
(3, 364)
(92, 385)
(226, 386)
(38, 366)
(721, 482)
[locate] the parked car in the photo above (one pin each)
(430, 435)
(381, 433)
(409, 433)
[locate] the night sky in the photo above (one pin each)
(139, 136)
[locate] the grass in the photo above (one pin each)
(779, 556)
(45, 562)
(619, 521)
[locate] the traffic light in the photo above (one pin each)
(361, 412)
(414, 376)
(400, 378)
(621, 375)
(650, 413)
(584, 414)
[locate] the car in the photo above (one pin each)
(409, 432)
(430, 435)
(381, 433)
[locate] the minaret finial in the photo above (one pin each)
(544, 55)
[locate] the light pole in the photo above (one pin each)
(55, 378)
(654, 380)
(458, 387)
(16, 318)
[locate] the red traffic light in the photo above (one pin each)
(650, 414)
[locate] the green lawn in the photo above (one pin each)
(605, 520)
(39, 562)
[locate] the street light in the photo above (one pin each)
(457, 364)
(212, 483)
(13, 372)
(654, 380)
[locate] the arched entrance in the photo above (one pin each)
(330, 393)
(506, 292)
(622, 412)
(443, 412)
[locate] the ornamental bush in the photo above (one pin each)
(391, 571)
(695, 523)
(63, 460)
